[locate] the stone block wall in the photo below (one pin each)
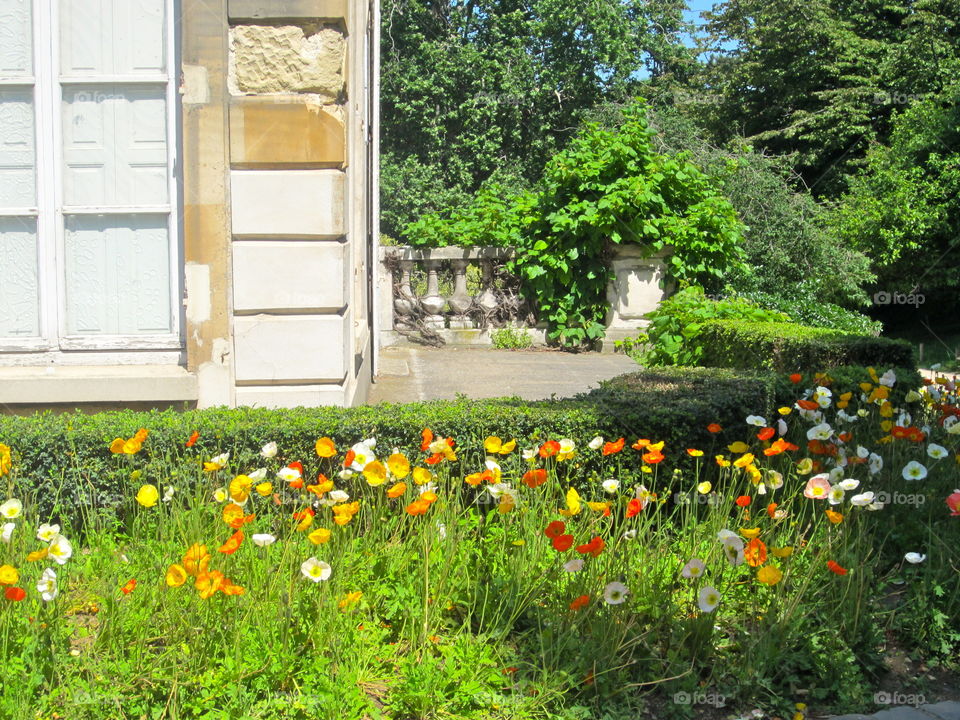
(298, 115)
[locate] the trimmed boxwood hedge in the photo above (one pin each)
(64, 459)
(786, 347)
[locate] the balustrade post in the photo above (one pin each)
(432, 302)
(488, 299)
(405, 302)
(460, 301)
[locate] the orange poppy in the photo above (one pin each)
(796, 378)
(325, 447)
(772, 509)
(594, 547)
(193, 439)
(397, 490)
(549, 448)
(743, 501)
(128, 587)
(418, 507)
(14, 594)
(232, 544)
(634, 507)
(652, 458)
(350, 457)
(580, 602)
(141, 435)
(778, 446)
(555, 529)
(640, 444)
(755, 552)
(714, 428)
(807, 404)
(562, 543)
(611, 448)
(534, 478)
(427, 436)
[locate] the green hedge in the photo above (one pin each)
(786, 347)
(64, 459)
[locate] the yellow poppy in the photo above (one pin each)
(9, 575)
(573, 503)
(738, 447)
(148, 495)
(421, 476)
(264, 489)
(326, 448)
(769, 575)
(176, 575)
(783, 552)
(319, 536)
(375, 473)
(750, 533)
(399, 465)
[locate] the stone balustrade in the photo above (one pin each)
(458, 294)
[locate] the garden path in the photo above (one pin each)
(414, 374)
(940, 711)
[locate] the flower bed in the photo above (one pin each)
(481, 575)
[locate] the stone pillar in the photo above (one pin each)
(637, 288)
(298, 245)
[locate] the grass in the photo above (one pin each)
(495, 581)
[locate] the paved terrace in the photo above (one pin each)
(413, 374)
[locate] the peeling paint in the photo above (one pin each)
(197, 279)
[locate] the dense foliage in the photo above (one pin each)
(610, 188)
(788, 347)
(492, 88)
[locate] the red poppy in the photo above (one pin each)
(613, 447)
(549, 448)
(14, 594)
(434, 459)
(845, 436)
(129, 586)
(899, 432)
(594, 547)
(348, 460)
(714, 428)
(771, 509)
(562, 543)
(807, 405)
(796, 378)
(743, 501)
(231, 545)
(427, 436)
(534, 478)
(634, 507)
(580, 602)
(193, 439)
(765, 434)
(835, 568)
(818, 447)
(555, 529)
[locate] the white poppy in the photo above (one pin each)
(46, 533)
(862, 500)
(914, 471)
(315, 570)
(258, 474)
(756, 420)
(269, 450)
(572, 566)
(693, 569)
(47, 585)
(263, 539)
(610, 485)
(849, 484)
(60, 549)
(914, 558)
(615, 593)
(7, 532)
(596, 443)
(821, 432)
(937, 452)
(339, 496)
(889, 378)
(168, 493)
(11, 509)
(708, 599)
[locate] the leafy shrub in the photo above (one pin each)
(511, 338)
(675, 326)
(494, 217)
(675, 405)
(805, 307)
(787, 347)
(609, 188)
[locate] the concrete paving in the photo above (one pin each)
(939, 711)
(415, 374)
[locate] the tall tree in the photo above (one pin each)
(820, 79)
(480, 89)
